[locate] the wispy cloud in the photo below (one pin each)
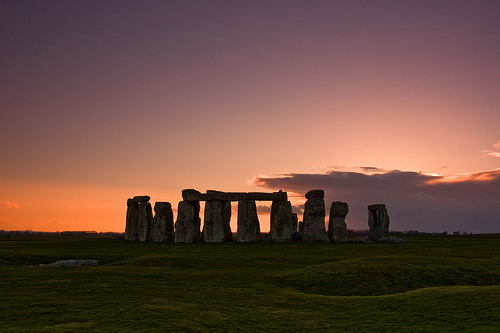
(493, 153)
(416, 200)
(9, 204)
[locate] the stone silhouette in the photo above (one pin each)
(314, 217)
(162, 228)
(301, 226)
(187, 225)
(378, 221)
(295, 222)
(337, 228)
(248, 222)
(216, 223)
(139, 219)
(132, 220)
(281, 222)
(145, 221)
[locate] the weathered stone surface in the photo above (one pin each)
(281, 222)
(141, 198)
(248, 222)
(378, 221)
(337, 228)
(162, 228)
(315, 194)
(193, 195)
(187, 226)
(376, 206)
(314, 218)
(339, 208)
(132, 220)
(391, 239)
(145, 221)
(295, 222)
(216, 222)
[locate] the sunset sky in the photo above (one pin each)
(394, 102)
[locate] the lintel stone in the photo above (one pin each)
(193, 195)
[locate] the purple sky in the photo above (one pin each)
(104, 100)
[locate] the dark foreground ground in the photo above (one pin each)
(432, 283)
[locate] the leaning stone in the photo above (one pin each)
(132, 220)
(187, 226)
(141, 198)
(315, 194)
(248, 222)
(281, 222)
(337, 228)
(216, 221)
(314, 217)
(162, 228)
(145, 221)
(391, 239)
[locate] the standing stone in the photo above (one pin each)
(162, 228)
(187, 226)
(314, 217)
(145, 221)
(226, 211)
(281, 222)
(301, 226)
(295, 222)
(378, 221)
(132, 220)
(248, 222)
(337, 228)
(216, 221)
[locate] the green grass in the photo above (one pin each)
(432, 283)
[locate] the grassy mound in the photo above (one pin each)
(390, 275)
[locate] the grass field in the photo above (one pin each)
(432, 283)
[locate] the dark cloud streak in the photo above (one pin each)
(415, 200)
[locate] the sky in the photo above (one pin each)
(394, 102)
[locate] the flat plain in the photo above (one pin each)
(430, 284)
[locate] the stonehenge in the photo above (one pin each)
(187, 225)
(132, 220)
(141, 225)
(216, 228)
(314, 217)
(162, 228)
(378, 221)
(282, 222)
(248, 222)
(337, 228)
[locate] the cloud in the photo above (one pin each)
(9, 204)
(415, 200)
(493, 153)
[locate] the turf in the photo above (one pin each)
(432, 283)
